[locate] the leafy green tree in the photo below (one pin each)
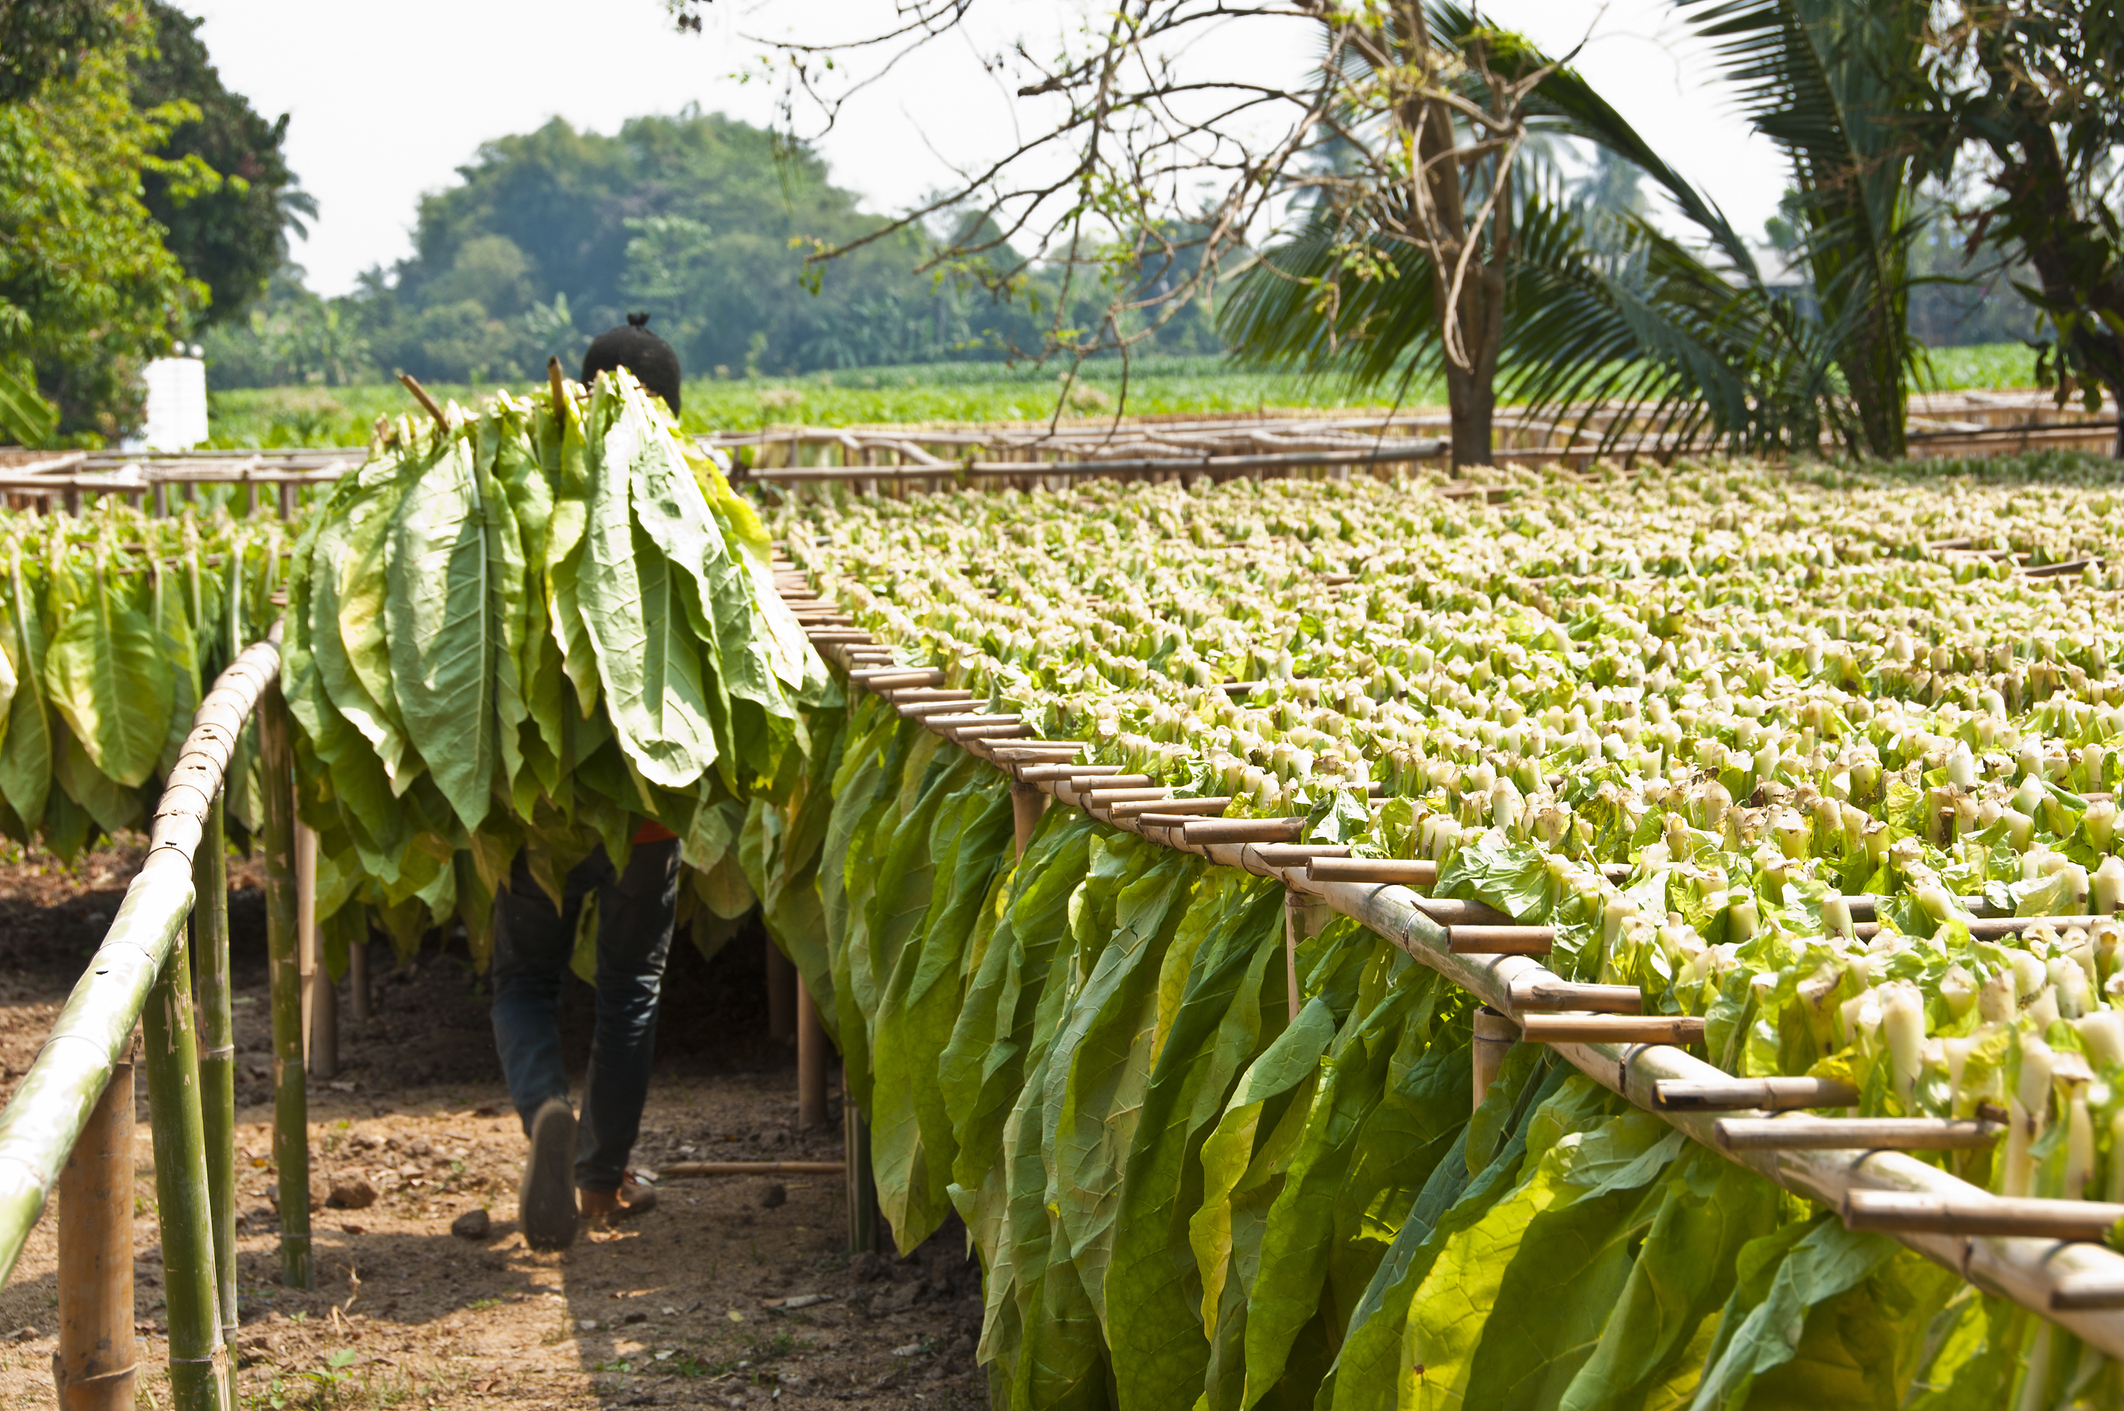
(1601, 305)
(2027, 97)
(88, 291)
(234, 237)
(43, 38)
(703, 221)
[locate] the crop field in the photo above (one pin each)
(1812, 774)
(948, 392)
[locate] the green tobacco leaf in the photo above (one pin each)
(442, 636)
(106, 675)
(1158, 1349)
(1548, 1230)
(26, 751)
(1285, 1068)
(634, 609)
(1667, 1310)
(180, 649)
(1299, 1238)
(348, 588)
(910, 1129)
(1102, 1063)
(1780, 1277)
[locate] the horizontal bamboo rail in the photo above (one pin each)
(2034, 1271)
(680, 1169)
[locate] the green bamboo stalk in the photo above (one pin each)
(291, 1107)
(94, 1030)
(198, 1358)
(217, 1063)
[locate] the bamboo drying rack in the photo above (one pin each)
(2039, 1254)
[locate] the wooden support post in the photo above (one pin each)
(291, 1103)
(781, 994)
(358, 982)
(862, 1189)
(162, 500)
(320, 1010)
(199, 1361)
(811, 1060)
(287, 500)
(217, 1040)
(1494, 1037)
(1027, 803)
(1303, 918)
(93, 1368)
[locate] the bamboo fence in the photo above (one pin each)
(81, 1086)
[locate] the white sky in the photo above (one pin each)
(389, 99)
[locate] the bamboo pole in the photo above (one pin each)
(1767, 1094)
(1303, 918)
(291, 1117)
(678, 1170)
(1501, 940)
(217, 1059)
(1612, 1028)
(781, 994)
(1027, 803)
(198, 1359)
(811, 1060)
(320, 1020)
(93, 1368)
(1543, 992)
(358, 997)
(1855, 1133)
(862, 1189)
(1401, 872)
(1494, 1037)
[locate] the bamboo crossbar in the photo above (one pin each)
(2019, 1258)
(1405, 451)
(1797, 1133)
(95, 1028)
(1765, 1094)
(680, 1169)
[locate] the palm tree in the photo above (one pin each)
(1687, 336)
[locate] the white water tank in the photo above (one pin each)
(176, 403)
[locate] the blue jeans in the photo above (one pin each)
(532, 944)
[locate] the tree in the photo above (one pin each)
(88, 292)
(1140, 177)
(233, 238)
(2024, 101)
(42, 39)
(1829, 81)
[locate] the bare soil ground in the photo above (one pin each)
(677, 1308)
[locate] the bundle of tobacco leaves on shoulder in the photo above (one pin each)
(530, 633)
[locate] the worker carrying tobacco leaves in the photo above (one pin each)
(636, 911)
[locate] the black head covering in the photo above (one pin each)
(642, 353)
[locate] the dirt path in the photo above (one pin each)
(678, 1308)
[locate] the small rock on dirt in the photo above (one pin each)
(772, 1194)
(472, 1225)
(351, 1192)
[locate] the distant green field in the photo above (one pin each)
(942, 392)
